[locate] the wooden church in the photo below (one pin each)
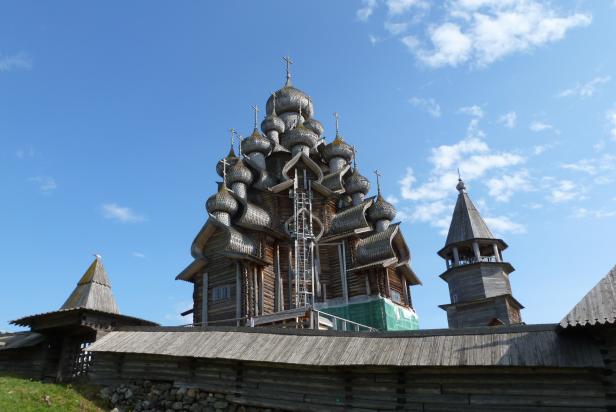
(292, 235)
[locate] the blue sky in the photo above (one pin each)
(113, 115)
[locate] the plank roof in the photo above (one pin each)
(466, 222)
(598, 306)
(19, 340)
(93, 291)
(528, 346)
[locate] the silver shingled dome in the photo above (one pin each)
(272, 122)
(290, 99)
(381, 209)
(315, 126)
(299, 136)
(239, 173)
(222, 201)
(356, 183)
(338, 148)
(256, 142)
(231, 159)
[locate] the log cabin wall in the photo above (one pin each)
(367, 388)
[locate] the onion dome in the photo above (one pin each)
(256, 142)
(315, 126)
(338, 148)
(356, 183)
(222, 201)
(290, 99)
(381, 209)
(239, 173)
(300, 136)
(272, 122)
(231, 159)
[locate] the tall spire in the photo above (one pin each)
(288, 62)
(93, 291)
(337, 116)
(354, 156)
(232, 151)
(378, 184)
(460, 186)
(256, 110)
(466, 222)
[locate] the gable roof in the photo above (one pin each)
(598, 306)
(466, 222)
(93, 291)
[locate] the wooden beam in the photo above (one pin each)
(204, 300)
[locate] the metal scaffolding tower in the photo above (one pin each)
(301, 232)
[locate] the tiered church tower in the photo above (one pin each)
(290, 231)
(477, 276)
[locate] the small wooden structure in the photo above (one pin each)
(56, 347)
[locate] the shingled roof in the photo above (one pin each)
(466, 222)
(597, 307)
(93, 291)
(529, 346)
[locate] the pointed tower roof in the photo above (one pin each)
(466, 222)
(93, 291)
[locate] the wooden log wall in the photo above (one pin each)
(365, 388)
(26, 362)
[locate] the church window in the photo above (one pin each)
(221, 293)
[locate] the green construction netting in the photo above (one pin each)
(379, 313)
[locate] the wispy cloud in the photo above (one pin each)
(585, 89)
(502, 188)
(582, 213)
(396, 28)
(480, 32)
(509, 119)
(564, 191)
(19, 61)
(118, 213)
(138, 255)
(503, 224)
(427, 104)
(398, 7)
(46, 184)
(538, 126)
(364, 13)
(25, 152)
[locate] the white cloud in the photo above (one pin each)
(542, 148)
(581, 213)
(396, 28)
(611, 118)
(19, 61)
(473, 110)
(364, 13)
(450, 46)
(564, 191)
(601, 168)
(410, 42)
(586, 89)
(397, 7)
(509, 119)
(46, 184)
(538, 126)
(429, 105)
(121, 214)
(480, 32)
(373, 39)
(138, 255)
(504, 187)
(500, 225)
(25, 153)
